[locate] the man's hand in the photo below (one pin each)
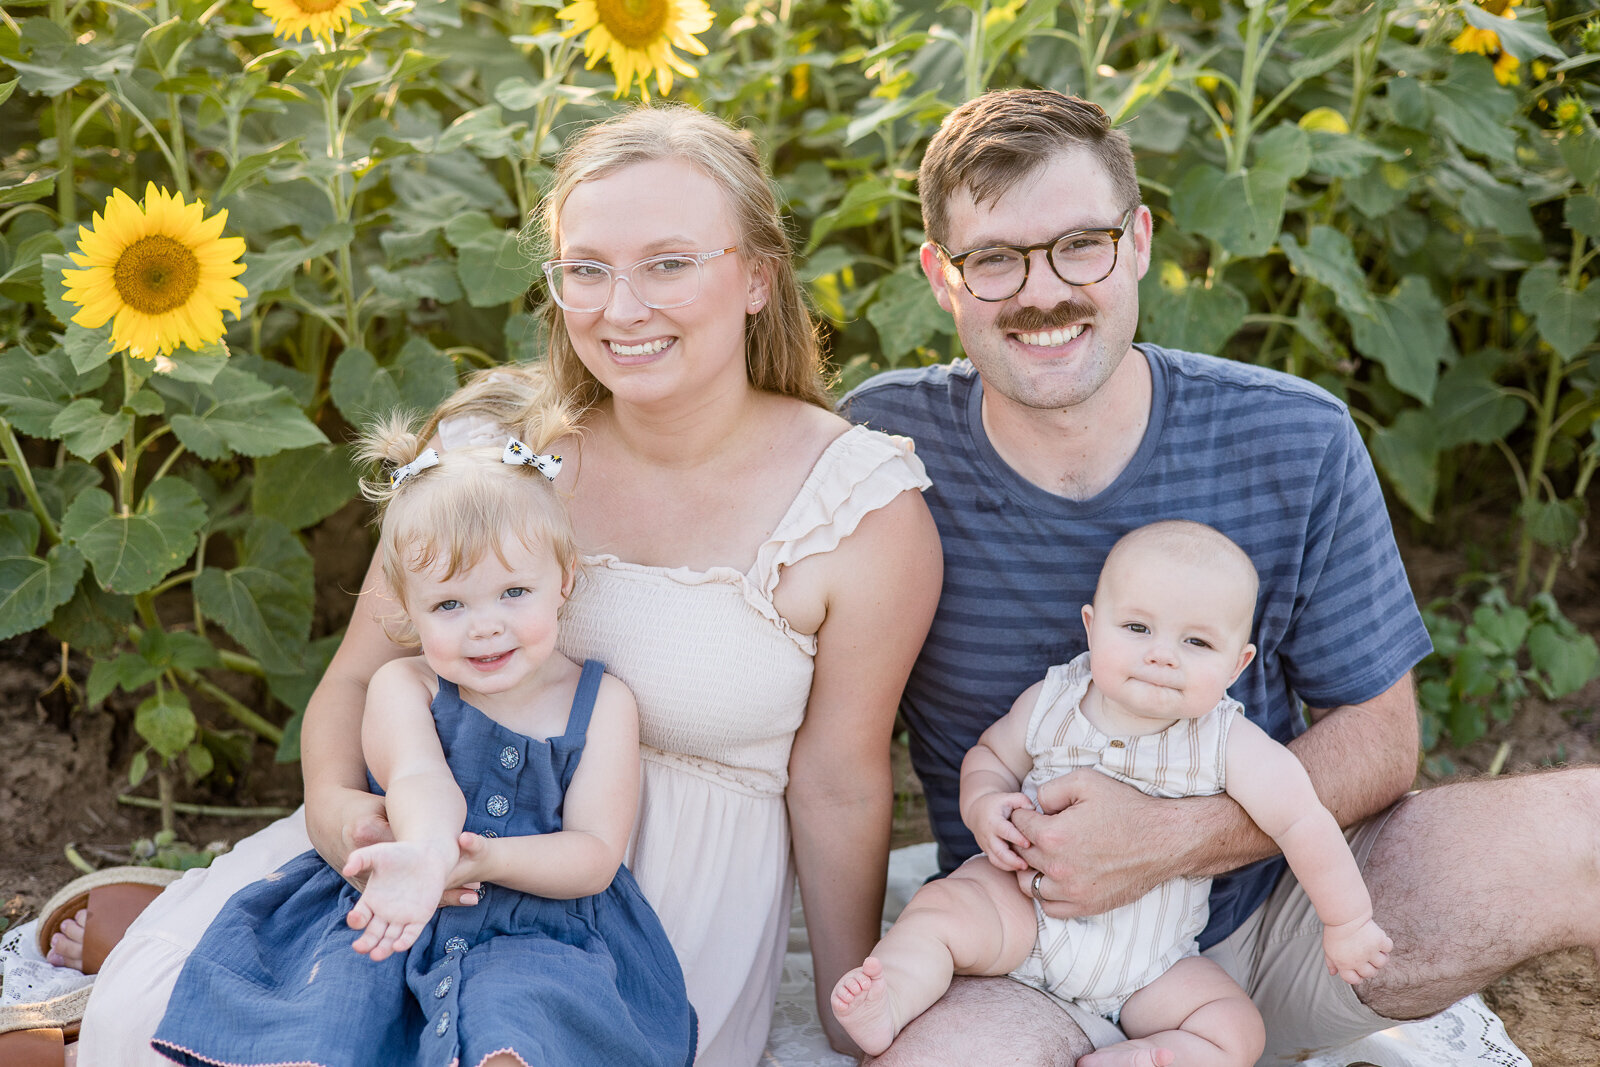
(1100, 843)
(997, 835)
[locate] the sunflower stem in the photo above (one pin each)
(66, 143)
(19, 468)
(343, 204)
(243, 714)
(130, 449)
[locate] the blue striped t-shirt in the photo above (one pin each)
(1271, 460)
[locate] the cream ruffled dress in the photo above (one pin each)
(722, 683)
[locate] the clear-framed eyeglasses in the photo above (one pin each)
(1079, 257)
(669, 280)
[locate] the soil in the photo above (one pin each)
(66, 776)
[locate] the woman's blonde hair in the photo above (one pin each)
(454, 513)
(782, 352)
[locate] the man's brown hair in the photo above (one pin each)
(988, 144)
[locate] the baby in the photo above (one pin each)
(1168, 632)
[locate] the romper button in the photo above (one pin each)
(456, 944)
(510, 757)
(488, 833)
(443, 987)
(444, 1024)
(497, 805)
(1116, 744)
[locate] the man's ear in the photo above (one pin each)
(1088, 623)
(1246, 654)
(933, 269)
(1142, 227)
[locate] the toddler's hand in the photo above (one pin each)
(1356, 949)
(996, 835)
(404, 882)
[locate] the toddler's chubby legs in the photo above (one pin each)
(975, 921)
(1193, 1016)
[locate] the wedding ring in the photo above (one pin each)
(1038, 876)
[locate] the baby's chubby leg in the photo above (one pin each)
(1193, 1015)
(973, 922)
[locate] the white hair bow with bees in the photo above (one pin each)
(430, 458)
(520, 454)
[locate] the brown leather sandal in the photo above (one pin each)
(114, 898)
(36, 1035)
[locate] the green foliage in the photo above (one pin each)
(1485, 663)
(1338, 193)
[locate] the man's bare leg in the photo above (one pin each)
(993, 1021)
(1474, 878)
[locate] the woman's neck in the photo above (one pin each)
(685, 435)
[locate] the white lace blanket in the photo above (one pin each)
(27, 978)
(1468, 1035)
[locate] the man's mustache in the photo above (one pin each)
(1027, 319)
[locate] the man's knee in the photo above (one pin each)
(988, 1021)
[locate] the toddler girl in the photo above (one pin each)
(505, 765)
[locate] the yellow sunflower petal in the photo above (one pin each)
(161, 273)
(636, 37)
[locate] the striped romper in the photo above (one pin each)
(1101, 960)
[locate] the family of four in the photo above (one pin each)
(668, 604)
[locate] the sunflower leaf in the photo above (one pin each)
(271, 270)
(238, 412)
(55, 286)
(36, 187)
(87, 429)
(302, 487)
(32, 588)
(87, 348)
(245, 172)
(131, 553)
(93, 621)
(1408, 336)
(361, 389)
(492, 265)
(35, 389)
(166, 721)
(265, 602)
(198, 365)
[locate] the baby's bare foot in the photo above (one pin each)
(1129, 1054)
(862, 1004)
(66, 945)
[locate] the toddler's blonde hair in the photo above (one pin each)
(454, 514)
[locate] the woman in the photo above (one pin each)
(760, 574)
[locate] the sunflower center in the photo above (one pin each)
(317, 7)
(635, 23)
(156, 274)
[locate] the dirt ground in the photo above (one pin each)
(67, 767)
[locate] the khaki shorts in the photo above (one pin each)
(1276, 955)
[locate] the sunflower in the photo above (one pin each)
(637, 37)
(291, 18)
(162, 273)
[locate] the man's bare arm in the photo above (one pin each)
(1109, 844)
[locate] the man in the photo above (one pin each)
(1059, 436)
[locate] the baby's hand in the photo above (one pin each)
(1356, 949)
(996, 835)
(404, 881)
